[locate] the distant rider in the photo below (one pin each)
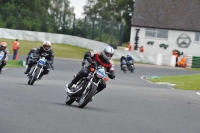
(123, 61)
(129, 60)
(31, 53)
(95, 59)
(43, 51)
(3, 52)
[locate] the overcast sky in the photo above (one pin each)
(78, 6)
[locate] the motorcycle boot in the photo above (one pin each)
(40, 77)
(27, 70)
(75, 80)
(1, 67)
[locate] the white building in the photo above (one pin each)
(175, 23)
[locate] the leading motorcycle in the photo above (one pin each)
(85, 88)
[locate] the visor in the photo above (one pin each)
(108, 55)
(46, 47)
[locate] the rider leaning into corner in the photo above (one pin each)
(130, 60)
(43, 51)
(123, 61)
(3, 48)
(94, 58)
(32, 51)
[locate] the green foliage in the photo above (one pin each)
(57, 16)
(117, 10)
(36, 15)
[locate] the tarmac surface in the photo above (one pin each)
(128, 104)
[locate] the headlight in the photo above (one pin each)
(100, 73)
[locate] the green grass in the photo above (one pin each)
(13, 64)
(184, 82)
(60, 50)
(195, 69)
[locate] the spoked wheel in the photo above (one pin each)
(34, 78)
(29, 78)
(85, 99)
(69, 100)
(29, 81)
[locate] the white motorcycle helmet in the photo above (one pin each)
(107, 52)
(46, 45)
(3, 45)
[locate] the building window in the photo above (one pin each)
(197, 36)
(157, 33)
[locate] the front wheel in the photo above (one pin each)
(85, 99)
(35, 75)
(69, 100)
(29, 81)
(132, 69)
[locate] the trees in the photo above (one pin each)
(36, 15)
(112, 10)
(103, 23)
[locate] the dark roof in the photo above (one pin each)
(167, 14)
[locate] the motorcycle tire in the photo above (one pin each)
(85, 99)
(34, 78)
(69, 100)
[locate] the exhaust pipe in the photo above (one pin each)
(69, 92)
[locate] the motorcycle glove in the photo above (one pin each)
(89, 59)
(49, 62)
(111, 76)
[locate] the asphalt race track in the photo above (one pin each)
(128, 104)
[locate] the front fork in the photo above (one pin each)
(91, 83)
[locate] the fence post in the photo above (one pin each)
(74, 25)
(92, 28)
(121, 34)
(84, 29)
(100, 36)
(111, 32)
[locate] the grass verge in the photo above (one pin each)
(184, 82)
(195, 69)
(60, 50)
(13, 64)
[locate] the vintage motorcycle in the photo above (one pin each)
(85, 88)
(130, 66)
(124, 67)
(37, 70)
(1, 56)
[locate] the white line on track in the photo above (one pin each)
(198, 93)
(143, 78)
(169, 84)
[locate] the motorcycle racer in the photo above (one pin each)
(94, 59)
